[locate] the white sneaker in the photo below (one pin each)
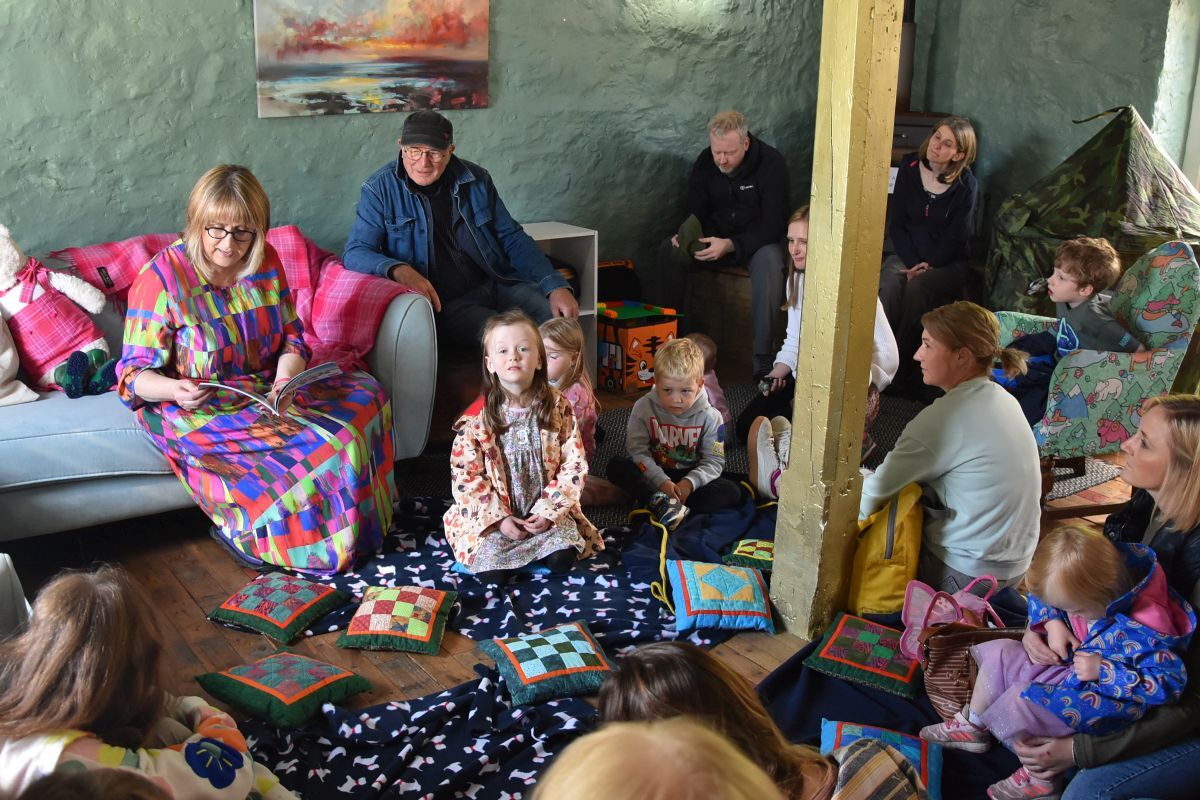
(781, 428)
(764, 460)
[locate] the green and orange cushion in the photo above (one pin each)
(719, 596)
(278, 605)
(285, 689)
(866, 652)
(409, 618)
(558, 662)
(753, 553)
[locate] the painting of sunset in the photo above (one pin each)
(364, 56)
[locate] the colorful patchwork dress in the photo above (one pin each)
(311, 490)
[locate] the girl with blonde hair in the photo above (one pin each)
(309, 488)
(973, 453)
(83, 688)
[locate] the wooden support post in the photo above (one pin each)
(860, 47)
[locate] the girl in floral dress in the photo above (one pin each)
(517, 464)
(310, 489)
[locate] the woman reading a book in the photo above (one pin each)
(306, 486)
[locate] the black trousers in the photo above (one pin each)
(776, 404)
(713, 496)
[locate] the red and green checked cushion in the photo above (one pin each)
(279, 605)
(754, 553)
(557, 662)
(866, 652)
(407, 618)
(285, 689)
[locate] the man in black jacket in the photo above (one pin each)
(738, 191)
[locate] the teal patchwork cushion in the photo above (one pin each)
(279, 605)
(925, 757)
(557, 662)
(406, 618)
(285, 689)
(719, 596)
(754, 553)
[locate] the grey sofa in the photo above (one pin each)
(67, 464)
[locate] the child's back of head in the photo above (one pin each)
(1090, 262)
(90, 660)
(1074, 567)
(679, 360)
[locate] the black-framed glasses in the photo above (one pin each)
(239, 234)
(417, 153)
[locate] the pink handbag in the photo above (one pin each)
(926, 607)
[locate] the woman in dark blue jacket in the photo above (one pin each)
(931, 210)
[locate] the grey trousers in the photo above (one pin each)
(942, 577)
(669, 287)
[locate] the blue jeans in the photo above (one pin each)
(1166, 774)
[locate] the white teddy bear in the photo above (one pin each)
(58, 344)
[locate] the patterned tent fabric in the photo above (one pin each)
(1119, 185)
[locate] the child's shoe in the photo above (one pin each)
(669, 511)
(781, 427)
(764, 460)
(958, 734)
(1023, 786)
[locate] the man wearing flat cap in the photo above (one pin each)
(434, 222)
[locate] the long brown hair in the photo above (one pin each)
(670, 679)
(232, 194)
(965, 324)
(1179, 498)
(568, 335)
(541, 394)
(964, 138)
(90, 660)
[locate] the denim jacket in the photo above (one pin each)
(392, 226)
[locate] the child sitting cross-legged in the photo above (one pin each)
(1104, 644)
(675, 441)
(1083, 269)
(83, 689)
(517, 465)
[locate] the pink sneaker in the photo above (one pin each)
(1023, 786)
(958, 734)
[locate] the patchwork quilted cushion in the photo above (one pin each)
(557, 662)
(406, 618)
(281, 606)
(865, 652)
(719, 596)
(754, 553)
(926, 757)
(285, 689)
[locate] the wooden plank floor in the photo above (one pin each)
(187, 574)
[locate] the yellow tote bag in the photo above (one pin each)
(885, 559)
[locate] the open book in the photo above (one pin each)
(310, 375)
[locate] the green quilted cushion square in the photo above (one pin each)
(866, 652)
(285, 689)
(407, 618)
(279, 605)
(753, 553)
(557, 662)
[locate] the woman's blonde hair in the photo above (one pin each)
(541, 394)
(674, 759)
(964, 324)
(1179, 498)
(1077, 566)
(231, 194)
(568, 335)
(964, 137)
(662, 680)
(90, 660)
(791, 294)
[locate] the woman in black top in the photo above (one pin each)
(1159, 755)
(931, 210)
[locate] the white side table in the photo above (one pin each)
(578, 247)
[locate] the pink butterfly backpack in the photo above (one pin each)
(926, 607)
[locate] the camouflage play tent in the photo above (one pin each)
(1119, 185)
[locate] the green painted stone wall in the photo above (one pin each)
(113, 108)
(1022, 70)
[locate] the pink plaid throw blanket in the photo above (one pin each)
(340, 309)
